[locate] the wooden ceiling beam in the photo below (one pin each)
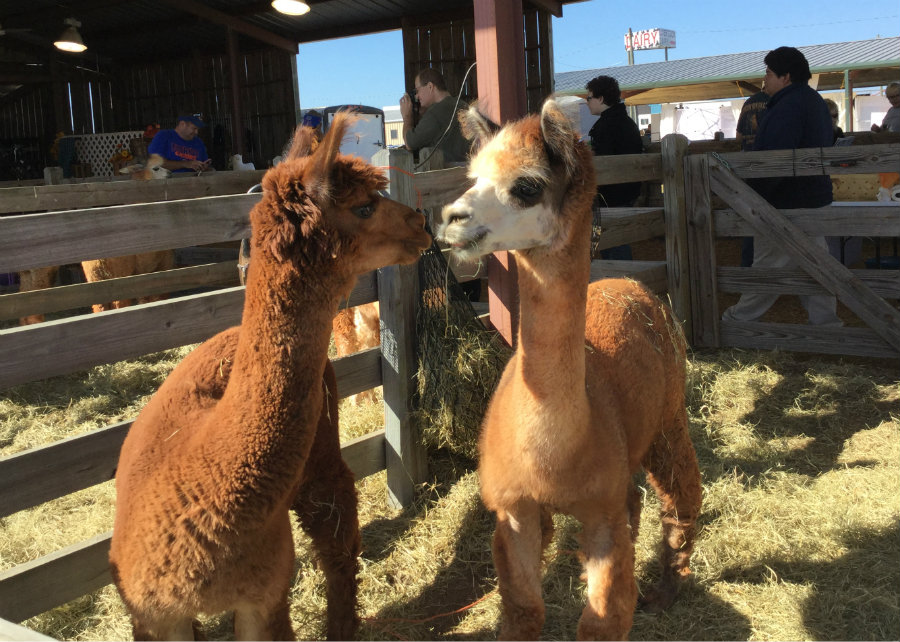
(241, 26)
(263, 6)
(749, 86)
(552, 7)
(54, 16)
(362, 29)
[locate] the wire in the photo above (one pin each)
(412, 176)
(452, 117)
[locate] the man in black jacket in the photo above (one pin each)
(613, 133)
(795, 117)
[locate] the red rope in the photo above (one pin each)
(412, 176)
(400, 620)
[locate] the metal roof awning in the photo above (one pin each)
(867, 63)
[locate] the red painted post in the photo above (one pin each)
(500, 44)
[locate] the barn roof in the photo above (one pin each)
(869, 62)
(129, 32)
(124, 30)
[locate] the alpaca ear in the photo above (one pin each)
(559, 137)
(317, 177)
(475, 126)
(303, 144)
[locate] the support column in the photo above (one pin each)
(500, 44)
(234, 81)
(848, 102)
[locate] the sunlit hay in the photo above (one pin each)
(41, 412)
(798, 538)
(29, 534)
(360, 420)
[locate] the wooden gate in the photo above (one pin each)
(864, 292)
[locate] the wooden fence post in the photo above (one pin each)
(701, 253)
(53, 175)
(398, 292)
(430, 158)
(674, 150)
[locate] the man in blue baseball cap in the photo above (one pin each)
(181, 148)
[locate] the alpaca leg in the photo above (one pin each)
(517, 560)
(175, 629)
(607, 552)
(634, 510)
(327, 512)
(326, 505)
(672, 470)
(546, 528)
(267, 617)
(250, 623)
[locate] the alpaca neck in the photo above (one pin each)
(276, 380)
(552, 295)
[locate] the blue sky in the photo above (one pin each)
(368, 70)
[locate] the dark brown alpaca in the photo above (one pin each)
(246, 426)
(594, 391)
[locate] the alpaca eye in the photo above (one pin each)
(527, 190)
(364, 211)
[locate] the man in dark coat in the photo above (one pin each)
(795, 117)
(613, 133)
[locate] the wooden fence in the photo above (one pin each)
(129, 217)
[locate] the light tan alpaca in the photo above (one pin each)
(594, 391)
(356, 329)
(245, 427)
(36, 279)
(151, 170)
(144, 263)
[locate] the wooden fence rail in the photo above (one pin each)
(70, 196)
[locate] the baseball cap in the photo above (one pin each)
(193, 119)
(312, 119)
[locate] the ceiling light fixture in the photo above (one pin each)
(290, 7)
(70, 40)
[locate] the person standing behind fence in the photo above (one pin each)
(748, 121)
(181, 148)
(439, 126)
(795, 117)
(835, 114)
(614, 133)
(891, 122)
(745, 132)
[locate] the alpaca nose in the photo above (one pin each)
(456, 214)
(416, 219)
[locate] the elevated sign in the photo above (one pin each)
(651, 39)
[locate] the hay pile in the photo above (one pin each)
(460, 362)
(798, 538)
